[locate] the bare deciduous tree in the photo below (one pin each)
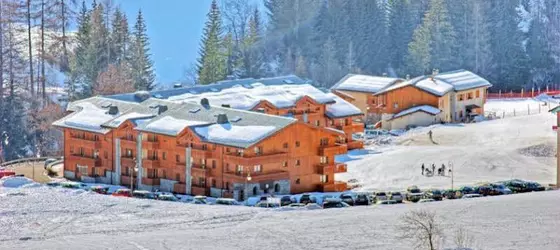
(115, 80)
(423, 228)
(463, 239)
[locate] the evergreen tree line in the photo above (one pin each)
(512, 43)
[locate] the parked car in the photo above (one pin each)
(266, 204)
(433, 194)
(485, 189)
(380, 196)
(361, 200)
(372, 133)
(501, 189)
(386, 202)
(199, 200)
(123, 192)
(466, 190)
(167, 197)
(535, 186)
(347, 198)
(307, 198)
(296, 205)
(396, 196)
(53, 184)
(73, 185)
(451, 194)
(413, 194)
(100, 189)
(313, 206)
(48, 161)
(285, 200)
(226, 201)
(517, 186)
(143, 194)
(426, 200)
(334, 203)
(470, 196)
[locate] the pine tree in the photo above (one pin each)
(328, 69)
(402, 22)
(434, 43)
(119, 37)
(75, 85)
(212, 62)
(142, 65)
(96, 59)
(370, 39)
(538, 48)
(252, 57)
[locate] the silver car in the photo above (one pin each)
(380, 196)
(396, 196)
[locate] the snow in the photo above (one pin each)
(228, 133)
(56, 218)
(426, 108)
(496, 150)
(15, 182)
(434, 86)
(364, 83)
(89, 118)
(520, 105)
(239, 97)
(170, 126)
(341, 108)
(129, 116)
(463, 80)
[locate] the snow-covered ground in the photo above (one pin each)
(516, 147)
(56, 218)
(521, 105)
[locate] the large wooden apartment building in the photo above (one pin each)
(205, 147)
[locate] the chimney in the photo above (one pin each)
(177, 85)
(113, 110)
(161, 109)
(407, 77)
(222, 119)
(226, 106)
(204, 102)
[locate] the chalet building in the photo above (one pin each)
(203, 148)
(455, 96)
(288, 96)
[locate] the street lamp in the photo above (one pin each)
(134, 170)
(452, 171)
(247, 180)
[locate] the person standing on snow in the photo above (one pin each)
(443, 169)
(422, 168)
(433, 167)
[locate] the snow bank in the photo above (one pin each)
(16, 182)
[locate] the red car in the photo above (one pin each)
(6, 173)
(125, 192)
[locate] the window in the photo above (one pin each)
(258, 150)
(82, 153)
(163, 174)
(469, 95)
(239, 169)
(204, 147)
(152, 138)
(285, 145)
(461, 114)
(152, 173)
(324, 178)
(317, 123)
(129, 136)
(213, 164)
(257, 168)
(331, 122)
(324, 141)
(297, 181)
(177, 158)
(284, 164)
(178, 177)
(201, 182)
(297, 162)
(460, 97)
(203, 162)
(297, 144)
(213, 183)
(324, 160)
(105, 154)
(95, 137)
(240, 152)
(95, 154)
(227, 167)
(164, 155)
(71, 149)
(227, 150)
(96, 171)
(82, 170)
(153, 155)
(396, 105)
(227, 185)
(477, 93)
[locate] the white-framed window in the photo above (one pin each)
(317, 123)
(324, 160)
(240, 152)
(96, 154)
(284, 164)
(297, 162)
(82, 170)
(239, 169)
(257, 168)
(203, 162)
(258, 150)
(324, 178)
(396, 105)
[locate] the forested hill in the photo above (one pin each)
(513, 43)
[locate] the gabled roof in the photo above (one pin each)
(341, 108)
(424, 108)
(364, 83)
(463, 80)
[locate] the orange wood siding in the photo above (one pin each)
(404, 98)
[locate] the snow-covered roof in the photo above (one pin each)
(232, 134)
(88, 117)
(424, 108)
(246, 98)
(115, 123)
(341, 108)
(171, 126)
(364, 83)
(434, 86)
(463, 80)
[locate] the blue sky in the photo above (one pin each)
(174, 28)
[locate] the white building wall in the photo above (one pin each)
(460, 105)
(416, 119)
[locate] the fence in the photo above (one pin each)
(522, 94)
(530, 109)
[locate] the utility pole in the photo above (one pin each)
(452, 172)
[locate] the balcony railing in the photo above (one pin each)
(150, 181)
(324, 169)
(256, 177)
(340, 168)
(128, 161)
(333, 150)
(128, 143)
(86, 160)
(351, 128)
(85, 142)
(197, 151)
(150, 163)
(247, 160)
(355, 144)
(195, 168)
(150, 144)
(337, 186)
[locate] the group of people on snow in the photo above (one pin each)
(440, 171)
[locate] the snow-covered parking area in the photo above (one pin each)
(53, 218)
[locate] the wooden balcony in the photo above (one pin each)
(150, 163)
(150, 181)
(340, 168)
(86, 160)
(349, 129)
(337, 149)
(337, 186)
(255, 159)
(197, 152)
(150, 145)
(355, 145)
(130, 144)
(257, 177)
(128, 161)
(196, 169)
(196, 190)
(179, 188)
(125, 180)
(87, 143)
(325, 169)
